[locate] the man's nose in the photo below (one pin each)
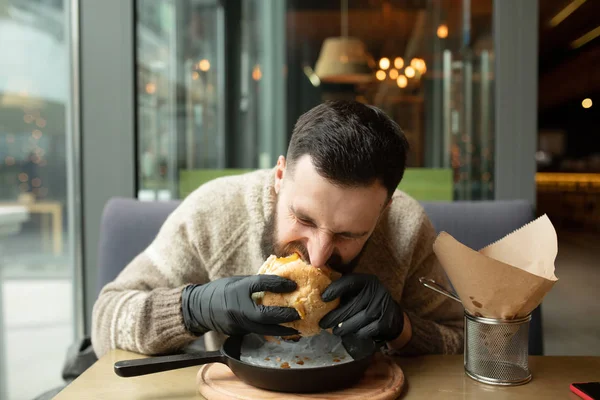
(320, 248)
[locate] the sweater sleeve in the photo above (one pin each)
(140, 310)
(437, 321)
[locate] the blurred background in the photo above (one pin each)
(151, 98)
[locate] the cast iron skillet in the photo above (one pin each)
(305, 380)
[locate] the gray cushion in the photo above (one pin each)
(479, 223)
(128, 226)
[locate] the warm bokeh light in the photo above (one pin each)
(402, 82)
(9, 161)
(150, 88)
(384, 63)
(380, 75)
(41, 122)
(28, 118)
(418, 64)
(586, 103)
(204, 65)
(36, 182)
(394, 73)
(37, 134)
(195, 75)
(23, 177)
(398, 62)
(409, 72)
(256, 73)
(442, 31)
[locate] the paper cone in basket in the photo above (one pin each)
(507, 279)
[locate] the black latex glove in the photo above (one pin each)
(226, 306)
(366, 309)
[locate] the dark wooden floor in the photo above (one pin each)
(571, 310)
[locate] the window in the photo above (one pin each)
(221, 84)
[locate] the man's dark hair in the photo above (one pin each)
(350, 144)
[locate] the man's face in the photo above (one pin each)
(325, 223)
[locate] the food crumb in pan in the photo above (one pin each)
(314, 352)
(285, 365)
(300, 362)
(267, 359)
(336, 360)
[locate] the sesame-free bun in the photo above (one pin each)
(306, 299)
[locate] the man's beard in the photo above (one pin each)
(269, 246)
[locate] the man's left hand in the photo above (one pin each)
(366, 309)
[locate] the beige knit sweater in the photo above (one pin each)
(217, 232)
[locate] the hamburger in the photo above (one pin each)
(306, 299)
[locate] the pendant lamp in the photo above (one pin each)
(344, 59)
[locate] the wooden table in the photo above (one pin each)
(428, 377)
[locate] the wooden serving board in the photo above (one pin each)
(383, 380)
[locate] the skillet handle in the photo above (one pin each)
(151, 365)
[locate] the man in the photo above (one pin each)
(334, 201)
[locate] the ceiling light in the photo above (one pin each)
(586, 103)
(565, 12)
(384, 63)
(442, 31)
(588, 37)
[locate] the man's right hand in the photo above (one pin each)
(226, 306)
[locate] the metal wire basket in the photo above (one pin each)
(497, 351)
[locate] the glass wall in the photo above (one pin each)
(180, 69)
(36, 263)
(221, 84)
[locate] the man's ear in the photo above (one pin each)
(279, 173)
